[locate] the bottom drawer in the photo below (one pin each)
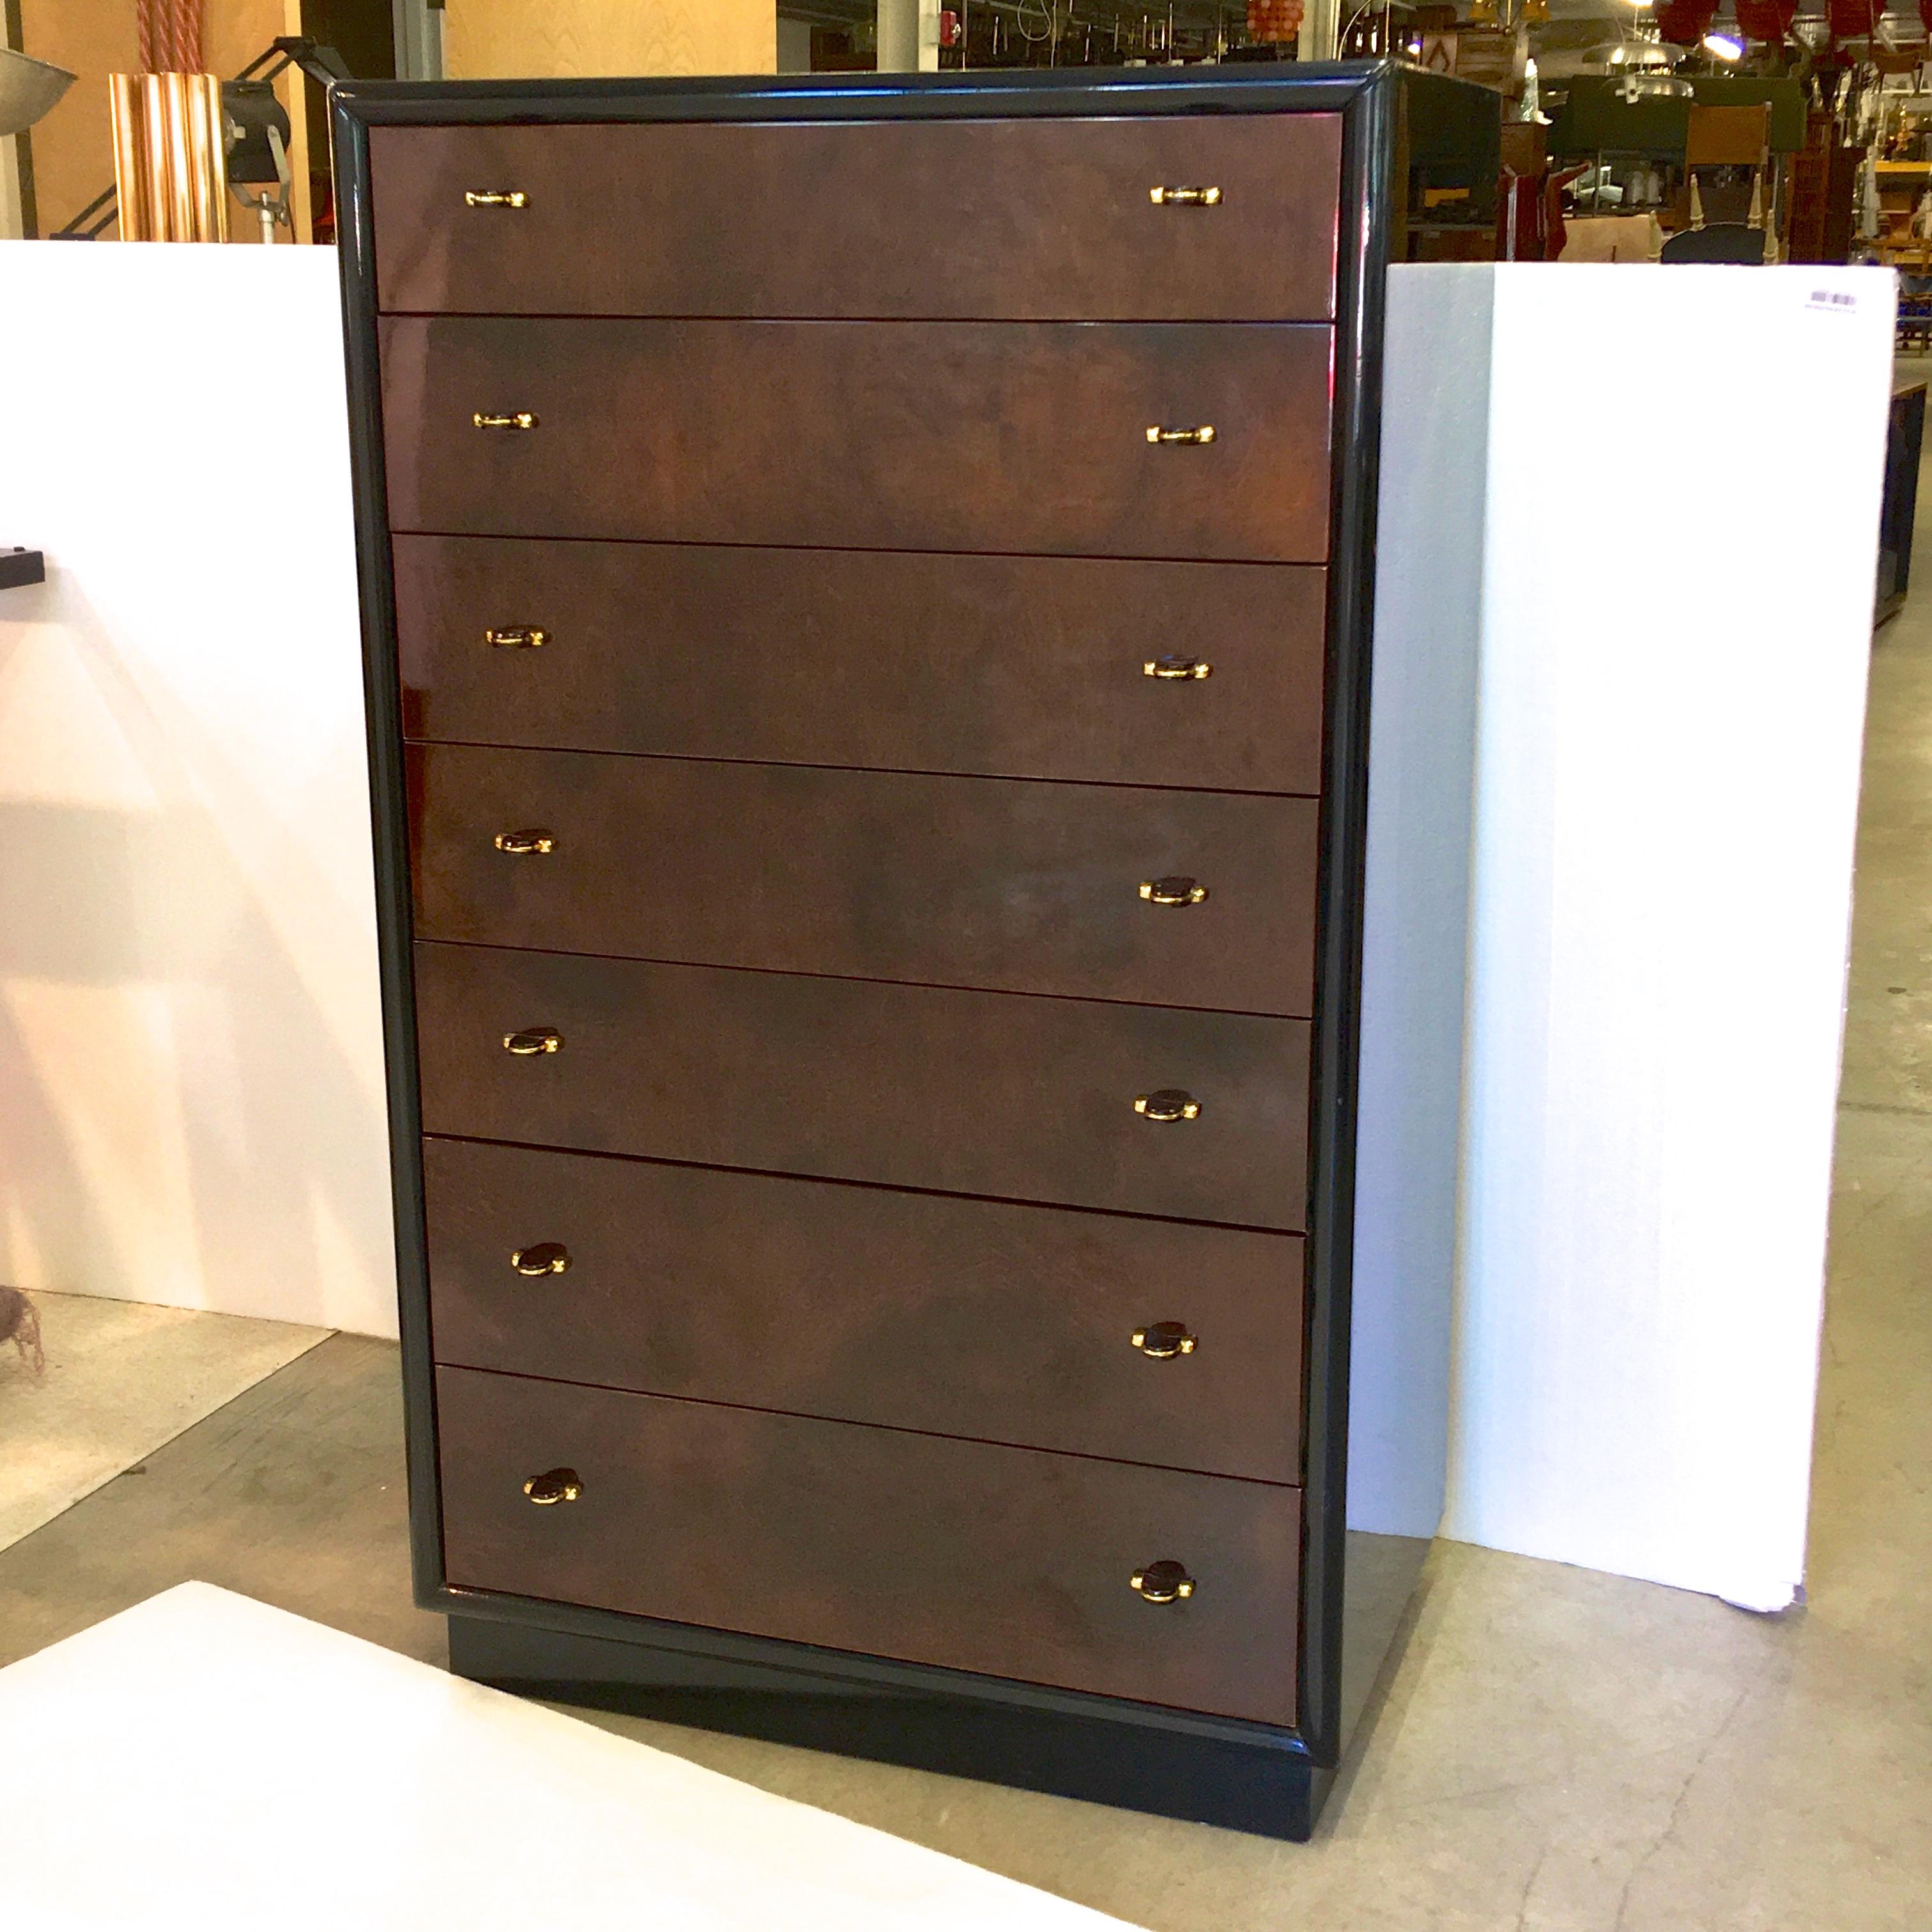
(1015, 1562)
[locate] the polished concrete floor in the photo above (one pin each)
(117, 1379)
(1556, 1751)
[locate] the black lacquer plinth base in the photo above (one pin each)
(1273, 1791)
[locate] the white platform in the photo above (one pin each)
(204, 1761)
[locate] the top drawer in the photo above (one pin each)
(1036, 220)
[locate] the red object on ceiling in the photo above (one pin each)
(1770, 20)
(1276, 20)
(1925, 14)
(1684, 23)
(1853, 20)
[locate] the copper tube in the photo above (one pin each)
(215, 120)
(157, 207)
(209, 162)
(181, 225)
(170, 175)
(124, 117)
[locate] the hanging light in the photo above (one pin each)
(1723, 46)
(1633, 56)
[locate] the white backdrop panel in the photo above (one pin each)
(190, 1041)
(1678, 588)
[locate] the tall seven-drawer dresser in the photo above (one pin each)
(866, 606)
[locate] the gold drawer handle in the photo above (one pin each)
(1185, 197)
(537, 839)
(520, 419)
(554, 1258)
(1172, 669)
(520, 637)
(565, 1486)
(1169, 1103)
(533, 1040)
(496, 197)
(1166, 1582)
(1205, 433)
(1161, 1341)
(1172, 892)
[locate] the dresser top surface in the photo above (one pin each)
(1285, 87)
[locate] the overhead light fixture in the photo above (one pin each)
(1655, 87)
(1632, 55)
(1642, 69)
(1724, 47)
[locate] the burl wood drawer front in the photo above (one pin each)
(972, 1554)
(1011, 436)
(1005, 883)
(957, 1317)
(1034, 219)
(1010, 667)
(988, 1094)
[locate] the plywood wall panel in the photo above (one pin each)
(73, 160)
(486, 40)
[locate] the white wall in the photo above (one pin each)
(1683, 473)
(1671, 698)
(191, 1069)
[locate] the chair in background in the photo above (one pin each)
(1726, 157)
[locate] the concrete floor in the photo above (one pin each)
(1557, 1750)
(121, 1378)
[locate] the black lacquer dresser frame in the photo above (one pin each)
(1254, 1776)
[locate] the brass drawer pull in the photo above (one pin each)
(1166, 1582)
(1163, 1340)
(565, 1486)
(521, 636)
(520, 419)
(1185, 197)
(1169, 1103)
(1205, 433)
(496, 197)
(1171, 669)
(553, 1257)
(533, 1040)
(537, 839)
(1172, 892)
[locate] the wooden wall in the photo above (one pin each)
(502, 39)
(73, 161)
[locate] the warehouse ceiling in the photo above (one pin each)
(1142, 26)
